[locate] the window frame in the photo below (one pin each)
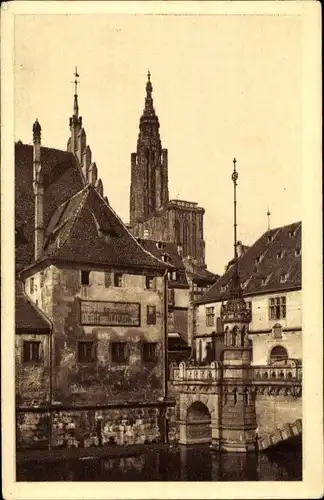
(82, 271)
(151, 315)
(118, 284)
(150, 282)
(149, 359)
(210, 316)
(30, 359)
(123, 359)
(85, 359)
(277, 307)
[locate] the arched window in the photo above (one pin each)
(186, 240)
(278, 353)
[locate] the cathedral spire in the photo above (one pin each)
(149, 109)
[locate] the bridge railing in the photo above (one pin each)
(210, 373)
(280, 373)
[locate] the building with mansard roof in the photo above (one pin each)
(270, 274)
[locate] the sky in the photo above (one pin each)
(224, 86)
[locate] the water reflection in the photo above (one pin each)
(183, 464)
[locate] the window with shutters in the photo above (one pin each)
(149, 352)
(31, 285)
(41, 279)
(31, 351)
(151, 315)
(107, 279)
(86, 351)
(119, 352)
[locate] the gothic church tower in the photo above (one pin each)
(149, 166)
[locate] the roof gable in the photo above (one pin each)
(62, 179)
(86, 229)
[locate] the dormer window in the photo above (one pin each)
(265, 280)
(283, 278)
(159, 245)
(165, 257)
(259, 259)
(291, 234)
(297, 252)
(280, 254)
(270, 238)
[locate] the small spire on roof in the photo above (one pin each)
(76, 81)
(268, 214)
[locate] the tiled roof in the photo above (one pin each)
(86, 229)
(166, 250)
(272, 264)
(28, 316)
(62, 179)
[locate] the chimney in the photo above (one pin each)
(38, 190)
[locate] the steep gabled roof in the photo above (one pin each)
(62, 179)
(28, 316)
(86, 229)
(160, 248)
(272, 264)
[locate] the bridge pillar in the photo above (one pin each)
(237, 408)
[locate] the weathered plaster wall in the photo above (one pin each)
(32, 378)
(102, 380)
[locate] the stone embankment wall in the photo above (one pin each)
(90, 427)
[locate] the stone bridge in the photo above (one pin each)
(274, 390)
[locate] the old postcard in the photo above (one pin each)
(161, 264)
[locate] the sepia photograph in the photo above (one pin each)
(158, 202)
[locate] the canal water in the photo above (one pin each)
(180, 464)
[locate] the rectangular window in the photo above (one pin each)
(107, 279)
(219, 325)
(31, 351)
(118, 280)
(119, 352)
(151, 315)
(31, 285)
(86, 351)
(149, 282)
(171, 297)
(277, 308)
(210, 316)
(85, 277)
(149, 352)
(41, 279)
(249, 305)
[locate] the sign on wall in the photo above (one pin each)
(110, 313)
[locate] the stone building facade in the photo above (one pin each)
(270, 271)
(100, 374)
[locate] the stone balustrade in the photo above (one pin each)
(268, 373)
(210, 373)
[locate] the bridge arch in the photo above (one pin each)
(198, 423)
